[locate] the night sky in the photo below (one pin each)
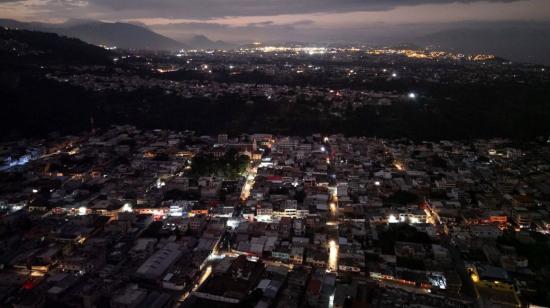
(242, 20)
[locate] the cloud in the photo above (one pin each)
(207, 9)
(261, 23)
(265, 30)
(303, 22)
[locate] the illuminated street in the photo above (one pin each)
(250, 176)
(205, 274)
(333, 256)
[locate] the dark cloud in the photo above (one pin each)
(203, 9)
(375, 32)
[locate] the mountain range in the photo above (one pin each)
(121, 35)
(202, 42)
(521, 42)
(529, 44)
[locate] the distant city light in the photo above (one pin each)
(323, 149)
(412, 95)
(376, 183)
(108, 47)
(394, 75)
(34, 191)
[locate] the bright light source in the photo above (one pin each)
(34, 191)
(323, 149)
(394, 75)
(412, 95)
(82, 210)
(127, 207)
(392, 219)
(376, 183)
(399, 166)
(233, 223)
(160, 183)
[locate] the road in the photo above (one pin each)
(250, 178)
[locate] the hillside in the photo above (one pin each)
(122, 35)
(203, 42)
(33, 47)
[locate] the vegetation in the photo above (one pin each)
(28, 47)
(34, 106)
(229, 166)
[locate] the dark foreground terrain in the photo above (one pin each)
(55, 84)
